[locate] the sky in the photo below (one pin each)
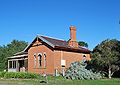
(95, 20)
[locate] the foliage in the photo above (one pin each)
(8, 50)
(2, 74)
(106, 57)
(23, 75)
(82, 43)
(78, 71)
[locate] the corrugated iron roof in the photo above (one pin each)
(63, 45)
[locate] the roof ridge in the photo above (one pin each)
(52, 38)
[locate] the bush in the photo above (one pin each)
(23, 75)
(78, 71)
(2, 74)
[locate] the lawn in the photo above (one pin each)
(59, 82)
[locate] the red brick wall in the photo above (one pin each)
(53, 59)
(49, 59)
(69, 57)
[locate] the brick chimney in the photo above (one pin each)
(73, 42)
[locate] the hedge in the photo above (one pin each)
(23, 75)
(2, 74)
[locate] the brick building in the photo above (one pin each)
(48, 55)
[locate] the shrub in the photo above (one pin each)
(78, 71)
(23, 75)
(9, 75)
(2, 74)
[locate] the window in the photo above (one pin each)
(39, 59)
(10, 64)
(84, 58)
(44, 59)
(14, 64)
(34, 60)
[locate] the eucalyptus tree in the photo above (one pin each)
(106, 57)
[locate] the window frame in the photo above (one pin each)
(35, 59)
(84, 57)
(10, 65)
(14, 64)
(45, 56)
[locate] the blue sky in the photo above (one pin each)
(96, 20)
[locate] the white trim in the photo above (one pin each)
(12, 70)
(44, 52)
(18, 59)
(51, 37)
(61, 54)
(20, 53)
(45, 56)
(35, 60)
(40, 54)
(46, 41)
(18, 56)
(84, 57)
(27, 47)
(35, 54)
(63, 62)
(42, 40)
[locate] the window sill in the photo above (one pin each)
(40, 68)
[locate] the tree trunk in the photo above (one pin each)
(109, 72)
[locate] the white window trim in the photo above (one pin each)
(13, 64)
(35, 60)
(45, 59)
(84, 57)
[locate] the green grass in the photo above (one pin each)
(58, 81)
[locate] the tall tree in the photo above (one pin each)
(8, 51)
(82, 43)
(106, 56)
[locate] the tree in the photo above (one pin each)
(8, 51)
(78, 71)
(106, 57)
(82, 43)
